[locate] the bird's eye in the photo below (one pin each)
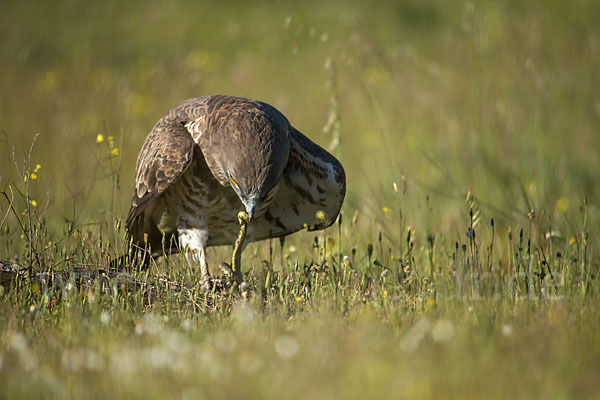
(232, 181)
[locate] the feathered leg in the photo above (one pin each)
(193, 241)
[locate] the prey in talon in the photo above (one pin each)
(211, 156)
(236, 257)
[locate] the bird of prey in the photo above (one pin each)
(212, 157)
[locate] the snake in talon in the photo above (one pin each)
(236, 257)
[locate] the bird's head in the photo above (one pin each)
(256, 181)
(249, 151)
(247, 192)
(254, 170)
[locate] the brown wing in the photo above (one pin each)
(165, 155)
(313, 181)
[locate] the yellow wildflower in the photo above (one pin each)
(562, 204)
(386, 210)
(573, 240)
(115, 151)
(37, 168)
(320, 215)
(110, 138)
(33, 175)
(34, 203)
(330, 242)
(49, 81)
(99, 138)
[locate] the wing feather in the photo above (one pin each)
(165, 155)
(313, 181)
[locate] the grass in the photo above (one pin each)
(454, 120)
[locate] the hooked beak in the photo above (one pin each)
(250, 207)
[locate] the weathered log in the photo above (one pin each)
(108, 280)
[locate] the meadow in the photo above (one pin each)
(465, 262)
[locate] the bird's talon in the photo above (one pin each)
(226, 269)
(211, 285)
(206, 283)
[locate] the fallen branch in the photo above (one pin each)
(110, 281)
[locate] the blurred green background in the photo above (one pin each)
(434, 107)
(440, 97)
